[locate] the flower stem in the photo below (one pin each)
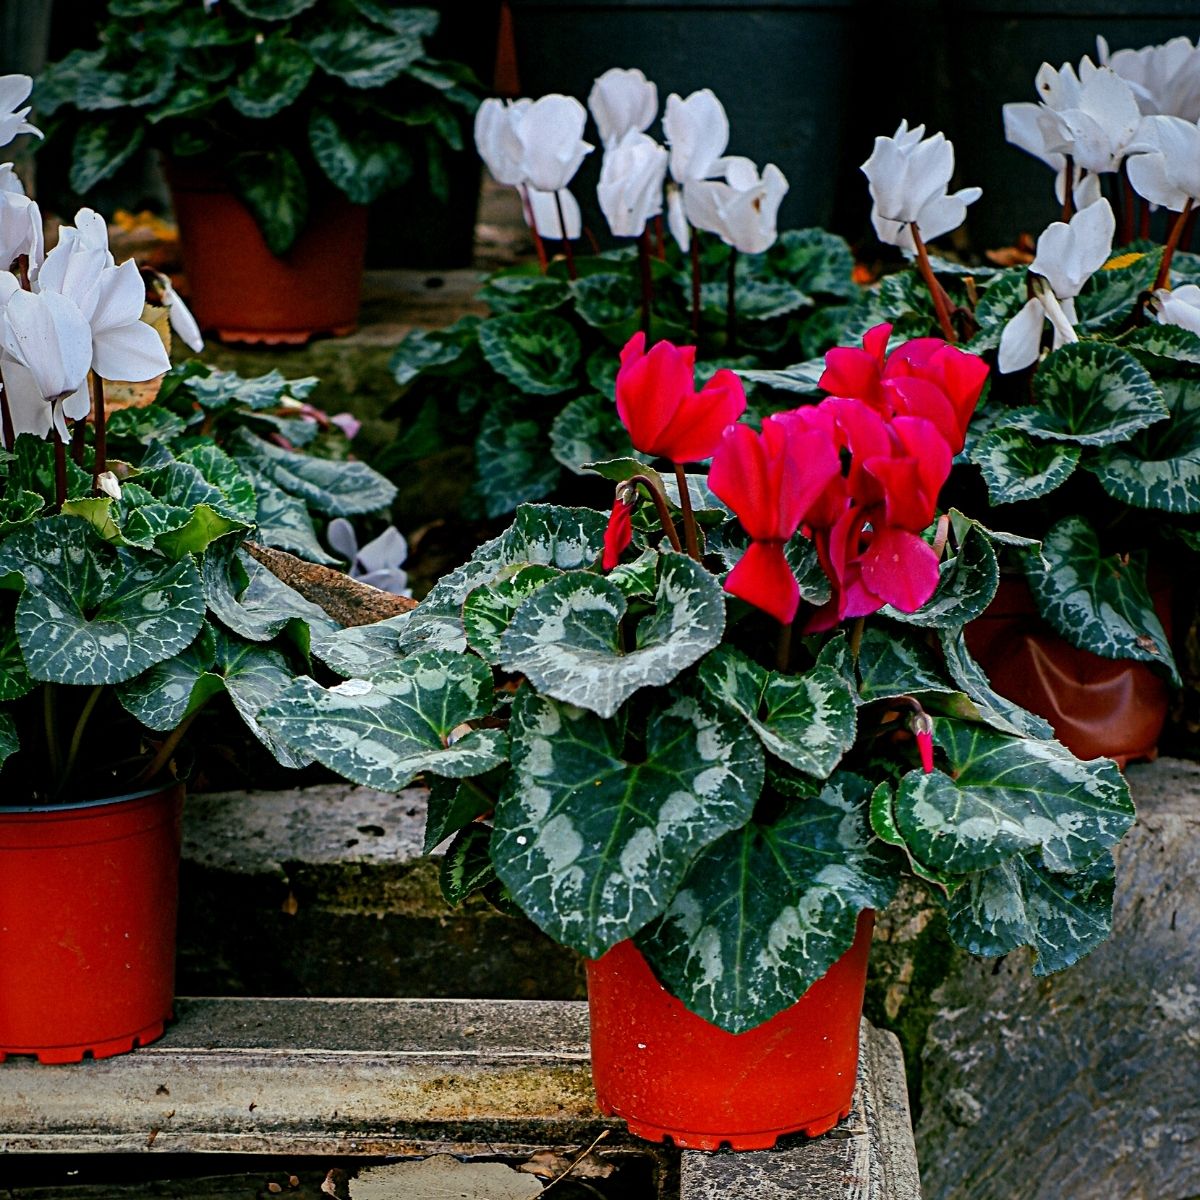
(89, 706)
(647, 281)
(1068, 208)
(572, 274)
(53, 748)
(689, 518)
(100, 457)
(783, 647)
(660, 506)
(731, 305)
(78, 441)
(936, 291)
(543, 260)
(856, 637)
(1164, 270)
(695, 245)
(6, 421)
(168, 747)
(60, 470)
(660, 242)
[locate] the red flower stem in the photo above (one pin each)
(731, 305)
(6, 421)
(856, 637)
(591, 239)
(647, 281)
(100, 459)
(78, 441)
(689, 518)
(695, 244)
(1144, 223)
(660, 506)
(60, 471)
(572, 274)
(940, 305)
(539, 245)
(1164, 271)
(783, 647)
(1068, 208)
(660, 242)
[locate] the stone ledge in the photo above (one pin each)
(414, 1077)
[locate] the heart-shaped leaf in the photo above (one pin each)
(361, 56)
(224, 389)
(535, 352)
(279, 73)
(1098, 602)
(1165, 345)
(466, 866)
(816, 262)
(807, 720)
(1111, 294)
(10, 742)
(598, 822)
(1020, 903)
(384, 733)
(453, 805)
(513, 458)
(566, 638)
(763, 913)
(284, 523)
(488, 609)
(1016, 467)
(14, 676)
(92, 614)
(1092, 393)
(1006, 795)
(893, 662)
(361, 162)
(362, 651)
(163, 696)
(588, 431)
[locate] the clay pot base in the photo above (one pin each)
(280, 337)
(758, 1140)
(74, 1054)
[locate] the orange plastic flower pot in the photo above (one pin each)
(1098, 707)
(669, 1073)
(88, 895)
(241, 291)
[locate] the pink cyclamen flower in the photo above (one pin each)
(658, 403)
(771, 480)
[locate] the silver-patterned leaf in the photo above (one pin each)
(219, 470)
(92, 614)
(453, 804)
(466, 866)
(895, 662)
(536, 352)
(1098, 602)
(1020, 903)
(10, 743)
(1006, 795)
(1169, 345)
(361, 651)
(598, 822)
(1092, 393)
(14, 677)
(763, 913)
(488, 609)
(163, 696)
(385, 732)
(283, 522)
(1016, 467)
(567, 639)
(807, 720)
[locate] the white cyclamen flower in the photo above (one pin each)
(1165, 78)
(1164, 162)
(1180, 306)
(622, 101)
(1068, 255)
(14, 89)
(543, 214)
(1033, 128)
(1092, 117)
(908, 175)
(496, 139)
(378, 562)
(179, 315)
(697, 131)
(631, 183)
(550, 131)
(20, 222)
(742, 209)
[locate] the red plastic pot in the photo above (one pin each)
(88, 895)
(241, 291)
(670, 1073)
(1099, 707)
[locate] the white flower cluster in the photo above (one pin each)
(537, 146)
(66, 313)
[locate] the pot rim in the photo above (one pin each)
(124, 798)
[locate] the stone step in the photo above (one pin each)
(365, 1077)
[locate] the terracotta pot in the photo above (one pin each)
(88, 895)
(240, 291)
(1099, 707)
(669, 1073)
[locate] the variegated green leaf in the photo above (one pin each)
(467, 866)
(221, 472)
(883, 824)
(807, 720)
(1110, 296)
(361, 651)
(999, 303)
(598, 822)
(514, 292)
(1016, 467)
(221, 389)
(284, 522)
(1092, 393)
(384, 733)
(757, 299)
(894, 662)
(163, 696)
(1159, 467)
(10, 743)
(18, 507)
(513, 460)
(994, 709)
(361, 56)
(92, 614)
(588, 431)
(1020, 903)
(967, 583)
(535, 352)
(488, 609)
(14, 677)
(338, 489)
(1098, 602)
(1165, 345)
(453, 804)
(1006, 795)
(816, 262)
(763, 913)
(567, 640)
(637, 578)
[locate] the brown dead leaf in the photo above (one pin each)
(548, 1164)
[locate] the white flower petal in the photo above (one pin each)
(1021, 340)
(130, 353)
(385, 552)
(697, 131)
(340, 535)
(622, 101)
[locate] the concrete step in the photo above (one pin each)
(364, 1077)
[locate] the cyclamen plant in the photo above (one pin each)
(727, 743)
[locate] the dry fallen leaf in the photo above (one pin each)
(549, 1165)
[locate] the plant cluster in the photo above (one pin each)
(280, 98)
